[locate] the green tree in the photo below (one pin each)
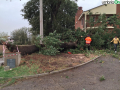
(101, 36)
(57, 15)
(20, 36)
(3, 36)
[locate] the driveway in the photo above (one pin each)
(85, 77)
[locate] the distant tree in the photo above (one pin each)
(3, 36)
(20, 36)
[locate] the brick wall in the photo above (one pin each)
(118, 11)
(77, 22)
(96, 18)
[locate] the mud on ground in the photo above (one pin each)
(58, 62)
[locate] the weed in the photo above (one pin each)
(96, 60)
(101, 61)
(87, 55)
(102, 78)
(67, 77)
(3, 80)
(115, 56)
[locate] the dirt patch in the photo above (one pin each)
(58, 62)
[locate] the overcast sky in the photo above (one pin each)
(11, 18)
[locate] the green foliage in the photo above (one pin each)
(67, 77)
(69, 36)
(75, 51)
(59, 15)
(20, 36)
(3, 37)
(37, 41)
(115, 56)
(101, 36)
(101, 61)
(102, 78)
(77, 36)
(87, 54)
(51, 42)
(97, 41)
(19, 71)
(50, 51)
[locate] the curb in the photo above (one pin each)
(53, 72)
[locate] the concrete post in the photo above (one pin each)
(41, 20)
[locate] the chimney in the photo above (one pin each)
(79, 8)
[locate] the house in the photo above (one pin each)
(82, 16)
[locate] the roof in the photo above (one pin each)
(88, 10)
(101, 10)
(94, 8)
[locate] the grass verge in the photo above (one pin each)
(7, 76)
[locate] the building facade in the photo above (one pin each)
(82, 16)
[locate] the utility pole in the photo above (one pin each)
(41, 20)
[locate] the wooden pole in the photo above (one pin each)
(41, 20)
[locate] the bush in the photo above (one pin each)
(52, 44)
(50, 51)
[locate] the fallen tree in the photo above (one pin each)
(68, 45)
(24, 49)
(29, 49)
